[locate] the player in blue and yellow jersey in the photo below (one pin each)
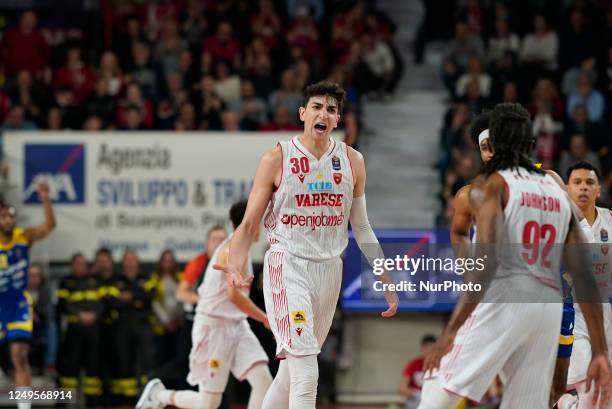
(15, 312)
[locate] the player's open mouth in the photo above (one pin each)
(583, 197)
(319, 126)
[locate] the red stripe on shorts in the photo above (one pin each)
(279, 297)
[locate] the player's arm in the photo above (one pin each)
(487, 198)
(566, 342)
(40, 232)
(268, 172)
(185, 294)
(237, 297)
(362, 231)
(580, 266)
(462, 219)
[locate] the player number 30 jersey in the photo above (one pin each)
(308, 214)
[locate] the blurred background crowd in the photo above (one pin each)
(555, 59)
(190, 64)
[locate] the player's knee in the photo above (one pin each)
(209, 400)
(304, 374)
(259, 377)
(19, 356)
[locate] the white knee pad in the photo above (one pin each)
(434, 396)
(210, 400)
(304, 375)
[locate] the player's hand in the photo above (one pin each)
(43, 191)
(600, 376)
(442, 347)
(266, 323)
(393, 302)
(233, 276)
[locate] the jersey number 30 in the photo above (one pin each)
(533, 233)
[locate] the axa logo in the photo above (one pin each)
(60, 166)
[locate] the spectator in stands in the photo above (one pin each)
(253, 110)
(510, 92)
(93, 123)
(281, 121)
(503, 41)
(208, 105)
(289, 95)
(230, 121)
(24, 47)
(102, 104)
(570, 78)
(15, 121)
(111, 72)
(142, 70)
(539, 48)
(174, 97)
(378, 57)
(458, 52)
(578, 151)
(473, 98)
(187, 69)
(44, 336)
(27, 94)
(186, 119)
(262, 77)
(71, 112)
(194, 25)
(266, 24)
(474, 72)
(587, 96)
(347, 26)
(303, 73)
(166, 308)
(169, 48)
(317, 8)
(75, 76)
(578, 41)
(303, 34)
(134, 99)
(594, 132)
(132, 119)
(124, 42)
(227, 85)
(222, 46)
(412, 378)
(54, 119)
(545, 96)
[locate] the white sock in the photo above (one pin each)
(304, 376)
(165, 396)
(190, 399)
(259, 378)
(277, 396)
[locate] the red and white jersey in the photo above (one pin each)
(308, 214)
(536, 223)
(214, 301)
(602, 257)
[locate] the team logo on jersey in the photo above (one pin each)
(299, 317)
(60, 166)
(319, 176)
(213, 363)
(299, 331)
(336, 163)
(604, 235)
(301, 177)
(337, 178)
(320, 186)
(604, 249)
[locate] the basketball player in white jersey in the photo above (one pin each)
(222, 341)
(308, 188)
(515, 203)
(584, 189)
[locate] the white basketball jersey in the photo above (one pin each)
(308, 214)
(536, 222)
(602, 258)
(214, 301)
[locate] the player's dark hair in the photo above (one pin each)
(479, 124)
(428, 339)
(511, 136)
(583, 165)
(237, 211)
(322, 88)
